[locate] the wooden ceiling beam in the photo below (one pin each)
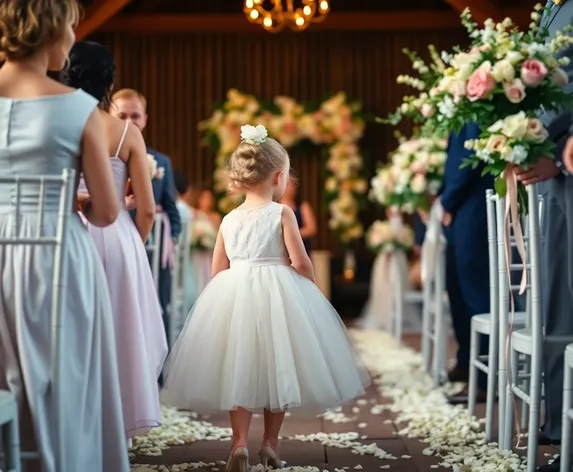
(481, 9)
(405, 20)
(97, 15)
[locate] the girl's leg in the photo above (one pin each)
(273, 424)
(240, 423)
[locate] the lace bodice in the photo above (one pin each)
(251, 235)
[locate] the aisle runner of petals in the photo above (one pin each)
(449, 432)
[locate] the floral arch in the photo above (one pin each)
(336, 124)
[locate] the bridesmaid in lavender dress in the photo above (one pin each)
(45, 128)
(140, 337)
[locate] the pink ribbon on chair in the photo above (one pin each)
(168, 247)
(512, 208)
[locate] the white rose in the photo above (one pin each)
(515, 126)
(513, 57)
(253, 134)
(536, 132)
(438, 158)
(457, 88)
(503, 71)
(559, 77)
(152, 165)
(496, 143)
(514, 91)
(418, 184)
(427, 110)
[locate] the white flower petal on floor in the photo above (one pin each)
(449, 431)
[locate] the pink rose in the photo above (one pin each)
(514, 91)
(418, 167)
(533, 72)
(559, 77)
(480, 83)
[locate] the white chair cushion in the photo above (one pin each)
(522, 341)
(482, 324)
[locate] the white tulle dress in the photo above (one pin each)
(261, 336)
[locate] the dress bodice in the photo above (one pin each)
(255, 234)
(41, 136)
(119, 170)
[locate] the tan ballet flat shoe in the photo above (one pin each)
(238, 460)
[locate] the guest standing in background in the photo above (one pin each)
(467, 261)
(303, 212)
(130, 105)
(187, 213)
(208, 205)
(141, 343)
(47, 127)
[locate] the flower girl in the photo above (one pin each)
(272, 341)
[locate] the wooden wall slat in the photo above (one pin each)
(183, 76)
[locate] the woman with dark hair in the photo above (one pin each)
(140, 337)
(303, 212)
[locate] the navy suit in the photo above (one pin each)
(419, 230)
(467, 269)
(164, 194)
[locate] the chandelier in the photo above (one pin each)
(274, 19)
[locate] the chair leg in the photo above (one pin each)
(501, 389)
(426, 328)
(566, 432)
(472, 383)
(534, 410)
(11, 440)
(525, 405)
(508, 431)
(492, 362)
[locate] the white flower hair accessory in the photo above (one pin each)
(253, 134)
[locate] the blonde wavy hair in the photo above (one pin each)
(252, 164)
(26, 26)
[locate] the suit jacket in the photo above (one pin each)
(463, 188)
(164, 192)
(559, 123)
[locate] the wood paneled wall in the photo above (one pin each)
(183, 76)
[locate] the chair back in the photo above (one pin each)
(65, 183)
(153, 247)
(491, 198)
(178, 310)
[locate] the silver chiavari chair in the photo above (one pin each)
(65, 183)
(566, 459)
(153, 247)
(488, 324)
(178, 310)
(531, 342)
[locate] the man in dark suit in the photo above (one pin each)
(556, 186)
(130, 105)
(467, 269)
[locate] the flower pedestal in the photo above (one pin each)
(321, 263)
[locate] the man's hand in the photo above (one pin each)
(424, 216)
(544, 169)
(82, 202)
(447, 219)
(568, 155)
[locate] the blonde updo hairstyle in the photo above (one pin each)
(252, 164)
(26, 26)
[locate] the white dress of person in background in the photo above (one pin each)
(379, 309)
(204, 215)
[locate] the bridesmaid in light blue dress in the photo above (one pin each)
(45, 128)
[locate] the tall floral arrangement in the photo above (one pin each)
(337, 124)
(382, 236)
(414, 175)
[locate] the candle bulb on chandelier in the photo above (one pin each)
(324, 6)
